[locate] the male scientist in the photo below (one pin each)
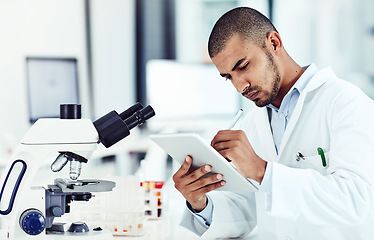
(309, 145)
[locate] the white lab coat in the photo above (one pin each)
(307, 201)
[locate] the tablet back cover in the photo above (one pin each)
(179, 145)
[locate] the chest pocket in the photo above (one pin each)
(312, 162)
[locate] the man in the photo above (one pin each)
(309, 145)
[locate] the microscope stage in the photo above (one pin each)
(85, 185)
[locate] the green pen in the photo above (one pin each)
(322, 154)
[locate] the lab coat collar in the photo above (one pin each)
(299, 85)
(319, 77)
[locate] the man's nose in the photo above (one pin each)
(240, 85)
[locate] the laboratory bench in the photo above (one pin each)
(161, 230)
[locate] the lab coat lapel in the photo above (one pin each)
(291, 125)
(318, 80)
(264, 131)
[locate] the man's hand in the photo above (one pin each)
(193, 186)
(235, 147)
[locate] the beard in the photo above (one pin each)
(272, 73)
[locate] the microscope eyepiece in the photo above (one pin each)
(113, 127)
(139, 117)
(130, 111)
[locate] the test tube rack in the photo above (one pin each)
(152, 199)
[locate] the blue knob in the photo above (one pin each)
(32, 221)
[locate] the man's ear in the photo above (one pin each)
(275, 41)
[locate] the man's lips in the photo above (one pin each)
(252, 96)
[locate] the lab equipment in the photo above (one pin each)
(32, 209)
(153, 198)
(115, 210)
(179, 145)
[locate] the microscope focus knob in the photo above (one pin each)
(57, 211)
(32, 221)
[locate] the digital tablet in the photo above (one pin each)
(179, 145)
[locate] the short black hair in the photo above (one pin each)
(248, 23)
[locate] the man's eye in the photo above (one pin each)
(242, 68)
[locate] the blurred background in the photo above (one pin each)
(108, 54)
(97, 53)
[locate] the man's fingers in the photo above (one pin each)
(198, 173)
(205, 181)
(210, 187)
(194, 196)
(194, 185)
(182, 183)
(184, 177)
(226, 135)
(185, 167)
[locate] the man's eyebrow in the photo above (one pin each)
(237, 64)
(233, 69)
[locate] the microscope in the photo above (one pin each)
(27, 210)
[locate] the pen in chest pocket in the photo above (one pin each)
(300, 156)
(322, 154)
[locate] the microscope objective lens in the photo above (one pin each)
(75, 169)
(59, 163)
